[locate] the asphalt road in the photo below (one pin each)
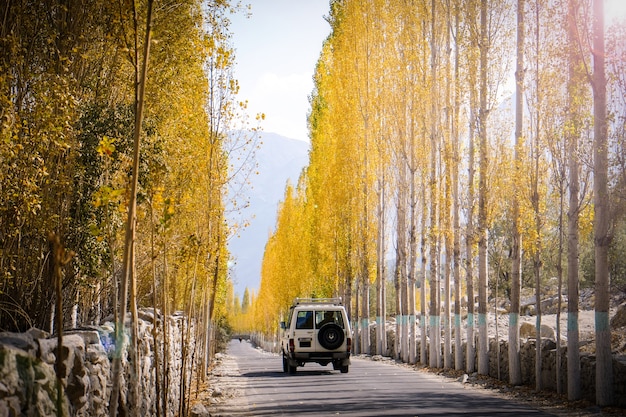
(370, 389)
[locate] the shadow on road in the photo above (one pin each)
(278, 374)
(370, 389)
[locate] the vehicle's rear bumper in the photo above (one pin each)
(343, 357)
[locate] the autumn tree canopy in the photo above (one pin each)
(68, 103)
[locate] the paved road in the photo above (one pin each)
(369, 389)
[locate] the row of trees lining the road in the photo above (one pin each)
(115, 139)
(421, 153)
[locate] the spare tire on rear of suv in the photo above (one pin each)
(330, 336)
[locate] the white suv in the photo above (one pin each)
(317, 330)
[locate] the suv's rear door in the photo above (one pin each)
(330, 329)
(304, 332)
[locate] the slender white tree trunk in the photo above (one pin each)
(402, 265)
(435, 324)
(573, 349)
(380, 272)
(602, 238)
(412, 258)
(515, 371)
(470, 353)
(483, 338)
(458, 351)
(128, 269)
(423, 326)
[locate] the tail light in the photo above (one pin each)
(349, 344)
(292, 345)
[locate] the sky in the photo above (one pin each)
(276, 50)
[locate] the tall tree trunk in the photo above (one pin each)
(186, 356)
(398, 278)
(458, 352)
(365, 309)
(559, 271)
(435, 324)
(447, 336)
(470, 352)
(166, 329)
(206, 334)
(412, 252)
(402, 260)
(538, 222)
(348, 297)
(573, 349)
(381, 333)
(602, 238)
(483, 338)
(446, 209)
(112, 295)
(357, 318)
(423, 248)
(59, 258)
(383, 298)
(155, 327)
(538, 341)
(135, 355)
(515, 370)
(128, 270)
(365, 313)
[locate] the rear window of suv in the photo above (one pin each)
(328, 316)
(304, 320)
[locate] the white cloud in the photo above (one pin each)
(614, 11)
(284, 100)
(276, 52)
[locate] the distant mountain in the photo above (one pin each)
(279, 159)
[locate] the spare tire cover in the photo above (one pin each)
(330, 336)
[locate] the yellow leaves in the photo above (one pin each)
(97, 232)
(223, 57)
(586, 221)
(106, 147)
(157, 198)
(234, 86)
(106, 195)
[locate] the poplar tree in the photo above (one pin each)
(455, 137)
(434, 317)
(470, 228)
(515, 373)
(572, 132)
(601, 225)
(128, 274)
(483, 341)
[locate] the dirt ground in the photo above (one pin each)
(545, 400)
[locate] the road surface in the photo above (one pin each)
(253, 384)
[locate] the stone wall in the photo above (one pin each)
(28, 379)
(549, 368)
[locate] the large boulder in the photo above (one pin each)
(619, 319)
(528, 331)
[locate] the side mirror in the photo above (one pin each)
(283, 325)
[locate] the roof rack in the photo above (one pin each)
(334, 301)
